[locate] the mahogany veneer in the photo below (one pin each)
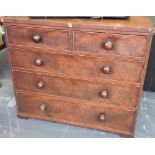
(85, 72)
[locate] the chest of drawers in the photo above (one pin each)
(84, 72)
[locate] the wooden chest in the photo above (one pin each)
(85, 72)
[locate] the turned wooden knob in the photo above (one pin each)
(37, 38)
(106, 69)
(102, 117)
(108, 44)
(42, 107)
(38, 62)
(104, 93)
(40, 84)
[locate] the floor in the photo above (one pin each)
(11, 126)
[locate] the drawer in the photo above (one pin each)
(66, 111)
(85, 67)
(104, 93)
(111, 44)
(38, 37)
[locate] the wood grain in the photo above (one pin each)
(56, 39)
(84, 67)
(70, 86)
(77, 89)
(125, 45)
(76, 112)
(133, 24)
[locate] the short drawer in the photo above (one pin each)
(85, 67)
(102, 93)
(38, 37)
(111, 44)
(77, 113)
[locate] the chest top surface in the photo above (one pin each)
(133, 23)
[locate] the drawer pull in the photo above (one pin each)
(104, 93)
(108, 45)
(42, 107)
(102, 117)
(37, 38)
(106, 69)
(38, 62)
(40, 84)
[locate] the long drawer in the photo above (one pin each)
(97, 117)
(87, 67)
(112, 44)
(38, 37)
(100, 92)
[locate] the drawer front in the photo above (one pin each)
(97, 117)
(38, 37)
(112, 44)
(77, 89)
(80, 66)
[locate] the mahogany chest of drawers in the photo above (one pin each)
(85, 72)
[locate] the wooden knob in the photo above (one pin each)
(42, 107)
(106, 69)
(104, 93)
(102, 117)
(40, 84)
(37, 38)
(38, 62)
(108, 44)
